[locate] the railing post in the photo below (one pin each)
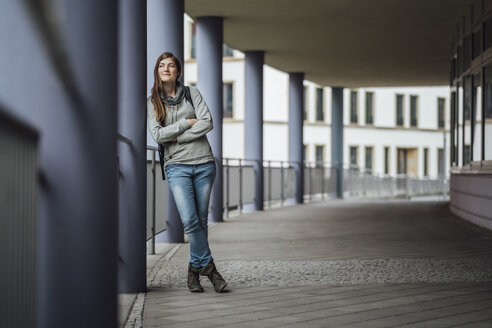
(323, 181)
(269, 184)
(227, 188)
(364, 182)
(240, 205)
(281, 184)
(377, 184)
(310, 184)
(153, 203)
(407, 187)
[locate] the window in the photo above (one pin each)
(467, 52)
(304, 153)
(467, 104)
(413, 111)
(466, 155)
(477, 117)
(426, 162)
(193, 40)
(304, 109)
(369, 110)
(440, 112)
(452, 71)
(320, 115)
(353, 107)
(459, 64)
(453, 130)
(477, 44)
(369, 160)
(487, 138)
(399, 110)
(227, 100)
(440, 162)
(459, 125)
(386, 160)
(402, 161)
(487, 34)
(320, 155)
(353, 156)
(227, 51)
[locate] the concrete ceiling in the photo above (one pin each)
(349, 43)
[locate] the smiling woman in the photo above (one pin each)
(179, 119)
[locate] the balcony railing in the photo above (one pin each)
(279, 186)
(19, 184)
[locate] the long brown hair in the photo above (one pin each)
(158, 86)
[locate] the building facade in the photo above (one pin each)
(471, 116)
(387, 131)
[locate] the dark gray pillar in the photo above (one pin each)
(337, 136)
(165, 32)
(132, 62)
(296, 139)
(209, 64)
(253, 119)
(71, 64)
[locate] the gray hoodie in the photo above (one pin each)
(192, 146)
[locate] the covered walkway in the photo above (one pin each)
(330, 264)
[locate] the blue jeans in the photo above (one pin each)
(191, 186)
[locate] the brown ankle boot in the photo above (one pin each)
(215, 278)
(194, 279)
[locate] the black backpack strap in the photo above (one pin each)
(161, 159)
(188, 96)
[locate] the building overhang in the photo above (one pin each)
(350, 43)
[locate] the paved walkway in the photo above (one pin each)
(332, 264)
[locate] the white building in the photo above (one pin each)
(386, 130)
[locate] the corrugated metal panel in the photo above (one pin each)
(18, 226)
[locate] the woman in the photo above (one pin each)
(189, 163)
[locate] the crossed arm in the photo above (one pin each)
(185, 130)
(203, 123)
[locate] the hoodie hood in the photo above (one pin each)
(180, 92)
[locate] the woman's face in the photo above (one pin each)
(167, 70)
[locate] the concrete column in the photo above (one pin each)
(253, 119)
(71, 101)
(132, 62)
(296, 139)
(165, 32)
(209, 64)
(337, 136)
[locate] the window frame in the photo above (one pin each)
(425, 158)
(354, 104)
(323, 154)
(397, 96)
(439, 127)
(372, 108)
(320, 104)
(414, 100)
(224, 83)
(386, 159)
(371, 169)
(352, 165)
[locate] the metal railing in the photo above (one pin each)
(19, 185)
(152, 214)
(279, 182)
(239, 175)
(361, 183)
